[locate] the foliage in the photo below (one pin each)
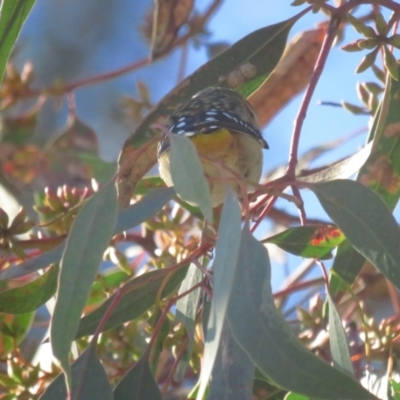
(195, 301)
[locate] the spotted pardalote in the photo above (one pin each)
(223, 127)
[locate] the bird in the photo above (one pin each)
(223, 127)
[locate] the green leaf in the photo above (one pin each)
(138, 383)
(127, 218)
(338, 340)
(147, 184)
(144, 209)
(90, 235)
(268, 340)
(188, 175)
(233, 373)
(380, 173)
(262, 48)
(186, 311)
(34, 264)
(31, 296)
(140, 295)
(13, 329)
(395, 40)
(367, 61)
(342, 169)
(295, 396)
(394, 390)
(225, 264)
(89, 380)
(12, 16)
(346, 266)
(361, 27)
(365, 221)
(390, 63)
(381, 24)
(308, 241)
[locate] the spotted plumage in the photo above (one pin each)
(213, 109)
(223, 128)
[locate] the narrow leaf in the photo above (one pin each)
(338, 341)
(127, 218)
(290, 76)
(90, 235)
(186, 311)
(225, 264)
(140, 295)
(12, 16)
(346, 265)
(365, 221)
(144, 209)
(233, 373)
(33, 264)
(380, 173)
(340, 170)
(188, 175)
(268, 340)
(89, 381)
(31, 296)
(138, 383)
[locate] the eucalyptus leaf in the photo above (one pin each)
(225, 264)
(12, 16)
(366, 222)
(188, 175)
(268, 340)
(89, 381)
(90, 235)
(338, 340)
(138, 383)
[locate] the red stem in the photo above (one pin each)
(107, 315)
(298, 286)
(302, 211)
(174, 367)
(165, 312)
(264, 212)
(319, 66)
(324, 273)
(108, 75)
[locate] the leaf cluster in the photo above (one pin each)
(167, 290)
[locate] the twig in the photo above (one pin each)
(324, 273)
(302, 211)
(264, 212)
(319, 66)
(297, 287)
(178, 358)
(165, 312)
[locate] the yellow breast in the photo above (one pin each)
(213, 143)
(241, 153)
